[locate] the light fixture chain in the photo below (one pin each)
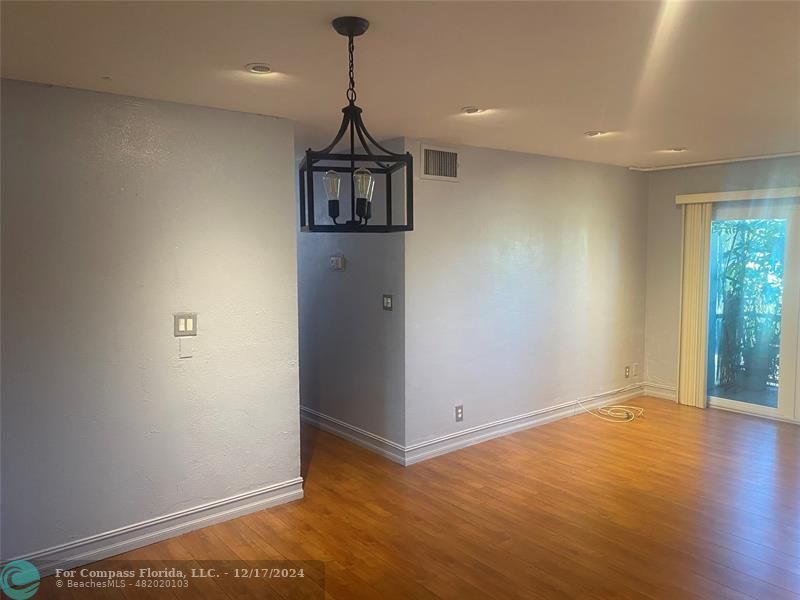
(351, 91)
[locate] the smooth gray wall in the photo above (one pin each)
(118, 212)
(664, 225)
(524, 287)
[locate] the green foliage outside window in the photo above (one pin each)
(746, 296)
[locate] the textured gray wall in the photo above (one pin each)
(520, 288)
(352, 352)
(524, 287)
(118, 212)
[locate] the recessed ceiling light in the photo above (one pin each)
(472, 110)
(595, 133)
(258, 68)
(676, 149)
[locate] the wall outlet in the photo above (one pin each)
(387, 302)
(459, 413)
(627, 372)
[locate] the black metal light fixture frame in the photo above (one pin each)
(379, 161)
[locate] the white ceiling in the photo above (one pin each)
(721, 78)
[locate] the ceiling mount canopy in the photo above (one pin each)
(366, 168)
(350, 26)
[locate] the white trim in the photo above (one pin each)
(715, 403)
(361, 437)
(723, 161)
(419, 451)
(739, 195)
(659, 390)
(130, 537)
(455, 441)
(759, 410)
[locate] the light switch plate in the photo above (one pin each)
(185, 347)
(337, 262)
(387, 302)
(184, 324)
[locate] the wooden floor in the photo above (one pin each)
(681, 504)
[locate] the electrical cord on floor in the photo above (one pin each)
(616, 413)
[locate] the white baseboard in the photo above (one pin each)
(659, 390)
(455, 441)
(130, 537)
(414, 453)
(361, 437)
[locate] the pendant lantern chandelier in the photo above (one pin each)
(356, 172)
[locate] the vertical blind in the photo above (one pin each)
(694, 305)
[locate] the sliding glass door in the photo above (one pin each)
(754, 305)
